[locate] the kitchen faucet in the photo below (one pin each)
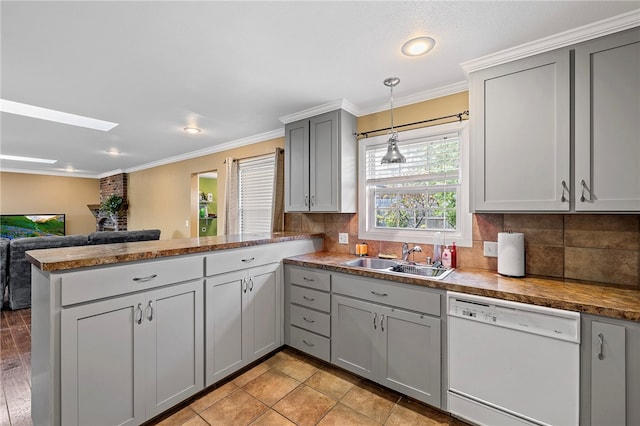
(406, 251)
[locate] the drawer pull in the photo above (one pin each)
(308, 279)
(307, 343)
(375, 293)
(308, 320)
(145, 279)
(375, 318)
(309, 299)
(249, 259)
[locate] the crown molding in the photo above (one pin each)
(414, 98)
(51, 173)
(279, 133)
(321, 109)
(574, 36)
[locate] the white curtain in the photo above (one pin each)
(231, 211)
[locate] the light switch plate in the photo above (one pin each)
(343, 238)
(490, 249)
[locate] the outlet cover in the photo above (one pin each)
(490, 249)
(343, 238)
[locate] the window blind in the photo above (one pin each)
(419, 194)
(255, 185)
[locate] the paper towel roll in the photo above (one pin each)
(511, 254)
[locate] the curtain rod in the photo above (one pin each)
(458, 116)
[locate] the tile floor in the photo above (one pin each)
(290, 388)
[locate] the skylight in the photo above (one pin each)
(55, 116)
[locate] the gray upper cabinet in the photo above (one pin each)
(523, 133)
(520, 134)
(321, 164)
(607, 117)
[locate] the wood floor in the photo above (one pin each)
(15, 368)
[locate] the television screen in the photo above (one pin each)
(35, 225)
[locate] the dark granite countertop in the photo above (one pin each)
(592, 298)
(60, 259)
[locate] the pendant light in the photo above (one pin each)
(393, 154)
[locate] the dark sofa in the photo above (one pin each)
(15, 270)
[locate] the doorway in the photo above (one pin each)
(208, 204)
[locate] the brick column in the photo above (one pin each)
(113, 185)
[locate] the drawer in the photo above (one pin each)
(311, 343)
(402, 296)
(311, 320)
(310, 298)
(312, 278)
(109, 281)
(237, 259)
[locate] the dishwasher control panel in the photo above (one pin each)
(550, 322)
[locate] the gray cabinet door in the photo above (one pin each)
(175, 349)
(607, 114)
(262, 311)
(223, 322)
(324, 161)
(411, 343)
(103, 363)
(296, 169)
(353, 335)
(521, 134)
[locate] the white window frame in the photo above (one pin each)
(463, 234)
(265, 177)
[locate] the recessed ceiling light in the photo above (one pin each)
(418, 46)
(192, 130)
(26, 159)
(55, 116)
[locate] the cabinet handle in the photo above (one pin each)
(382, 322)
(250, 259)
(584, 186)
(375, 293)
(150, 311)
(308, 320)
(244, 285)
(139, 313)
(309, 299)
(306, 200)
(601, 339)
(307, 343)
(313, 199)
(375, 317)
(145, 279)
(251, 284)
(563, 198)
(308, 279)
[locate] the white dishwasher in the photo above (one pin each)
(512, 363)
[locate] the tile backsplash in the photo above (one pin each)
(602, 248)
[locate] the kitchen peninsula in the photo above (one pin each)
(123, 332)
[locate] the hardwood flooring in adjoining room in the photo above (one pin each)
(15, 367)
(288, 388)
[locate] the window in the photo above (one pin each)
(428, 194)
(255, 187)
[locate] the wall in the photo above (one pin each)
(209, 185)
(22, 193)
(162, 197)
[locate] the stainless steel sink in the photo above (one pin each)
(393, 266)
(372, 263)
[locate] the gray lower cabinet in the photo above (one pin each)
(308, 311)
(376, 336)
(610, 372)
(127, 359)
(243, 318)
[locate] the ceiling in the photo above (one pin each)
(233, 68)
